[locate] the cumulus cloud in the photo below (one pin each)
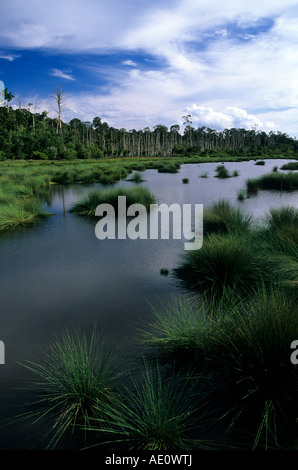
(231, 117)
(235, 60)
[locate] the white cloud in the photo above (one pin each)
(231, 117)
(234, 79)
(129, 63)
(9, 57)
(60, 74)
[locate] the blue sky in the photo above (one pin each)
(141, 63)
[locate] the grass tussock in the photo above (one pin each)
(75, 380)
(88, 204)
(273, 181)
(244, 348)
(20, 213)
(237, 256)
(157, 414)
(291, 166)
(223, 217)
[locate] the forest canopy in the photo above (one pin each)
(26, 134)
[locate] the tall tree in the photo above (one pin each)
(59, 98)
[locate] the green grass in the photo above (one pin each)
(260, 162)
(75, 379)
(291, 166)
(185, 180)
(223, 217)
(225, 263)
(222, 172)
(168, 167)
(16, 213)
(204, 175)
(157, 414)
(241, 194)
(243, 346)
(248, 350)
(136, 177)
(87, 205)
(273, 181)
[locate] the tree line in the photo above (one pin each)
(27, 134)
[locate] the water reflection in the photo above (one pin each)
(57, 274)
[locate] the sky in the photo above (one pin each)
(139, 63)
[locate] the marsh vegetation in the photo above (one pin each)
(213, 366)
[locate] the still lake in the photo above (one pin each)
(58, 275)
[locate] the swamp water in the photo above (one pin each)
(58, 275)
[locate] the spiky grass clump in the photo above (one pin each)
(75, 380)
(260, 162)
(136, 177)
(276, 181)
(157, 414)
(244, 347)
(204, 175)
(18, 213)
(185, 180)
(88, 204)
(173, 337)
(241, 194)
(222, 217)
(250, 353)
(226, 262)
(222, 172)
(168, 167)
(291, 166)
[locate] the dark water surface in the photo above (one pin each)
(58, 275)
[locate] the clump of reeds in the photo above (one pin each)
(17, 212)
(75, 380)
(223, 217)
(291, 166)
(168, 167)
(222, 172)
(156, 414)
(260, 162)
(226, 262)
(276, 181)
(241, 194)
(249, 350)
(88, 204)
(243, 345)
(136, 177)
(185, 180)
